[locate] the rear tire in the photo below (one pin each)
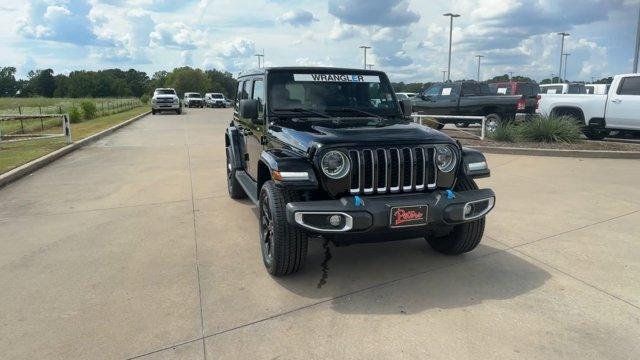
(464, 237)
(283, 246)
(494, 121)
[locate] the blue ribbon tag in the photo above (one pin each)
(450, 194)
(358, 201)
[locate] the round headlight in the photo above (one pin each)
(445, 158)
(335, 164)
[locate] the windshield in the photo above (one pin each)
(216, 96)
(347, 94)
(165, 92)
(193, 95)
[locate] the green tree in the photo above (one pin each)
(554, 80)
(221, 82)
(187, 79)
(8, 83)
(42, 82)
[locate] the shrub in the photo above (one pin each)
(508, 132)
(145, 98)
(551, 129)
(74, 115)
(89, 109)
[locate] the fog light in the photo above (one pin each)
(335, 220)
(467, 210)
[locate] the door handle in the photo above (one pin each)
(616, 101)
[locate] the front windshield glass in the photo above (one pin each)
(165, 92)
(331, 93)
(194, 95)
(216, 96)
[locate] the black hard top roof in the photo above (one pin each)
(307, 68)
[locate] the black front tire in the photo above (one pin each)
(595, 134)
(153, 111)
(179, 111)
(233, 185)
(283, 246)
(464, 237)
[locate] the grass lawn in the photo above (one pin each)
(15, 154)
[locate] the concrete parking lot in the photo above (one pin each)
(131, 248)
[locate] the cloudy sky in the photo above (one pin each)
(409, 38)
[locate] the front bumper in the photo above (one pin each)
(165, 106)
(374, 214)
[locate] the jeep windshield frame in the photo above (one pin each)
(340, 93)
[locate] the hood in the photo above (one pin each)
(317, 136)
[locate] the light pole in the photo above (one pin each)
(364, 47)
(259, 56)
(451, 15)
(635, 55)
(563, 34)
(444, 73)
(566, 55)
(510, 75)
(479, 57)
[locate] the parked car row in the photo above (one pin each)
(167, 99)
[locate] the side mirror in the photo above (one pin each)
(426, 97)
(406, 107)
(248, 109)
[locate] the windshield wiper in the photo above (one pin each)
(303, 110)
(362, 112)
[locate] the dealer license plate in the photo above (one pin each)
(401, 216)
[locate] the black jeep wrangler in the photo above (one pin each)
(332, 152)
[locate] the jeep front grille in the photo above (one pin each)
(392, 170)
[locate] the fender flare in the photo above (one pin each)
(474, 164)
(277, 160)
(232, 140)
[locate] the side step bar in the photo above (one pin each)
(250, 187)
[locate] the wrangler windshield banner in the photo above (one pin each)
(337, 78)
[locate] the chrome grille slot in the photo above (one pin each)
(394, 160)
(368, 171)
(382, 177)
(432, 174)
(420, 166)
(384, 170)
(354, 157)
(407, 169)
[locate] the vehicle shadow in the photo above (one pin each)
(406, 277)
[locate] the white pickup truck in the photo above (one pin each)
(619, 109)
(165, 99)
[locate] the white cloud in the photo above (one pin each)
(54, 12)
(297, 17)
(234, 55)
(176, 35)
(341, 31)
